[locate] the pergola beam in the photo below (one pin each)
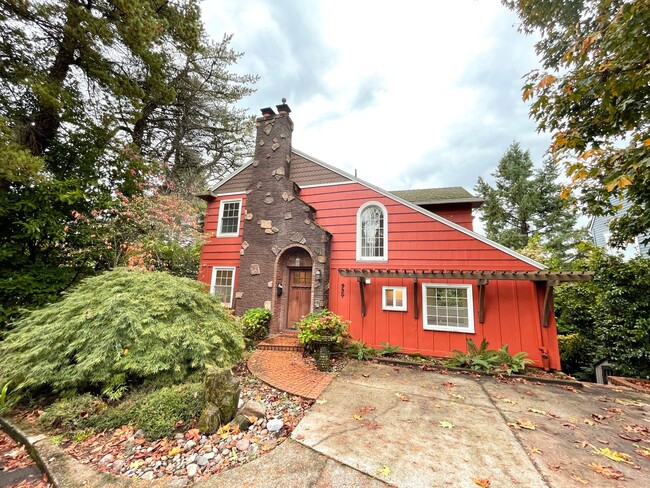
(538, 276)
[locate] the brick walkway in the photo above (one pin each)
(278, 363)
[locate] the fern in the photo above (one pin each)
(387, 349)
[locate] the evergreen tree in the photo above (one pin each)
(97, 99)
(526, 202)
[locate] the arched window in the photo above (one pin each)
(372, 232)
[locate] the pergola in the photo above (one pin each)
(547, 279)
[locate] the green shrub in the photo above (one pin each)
(255, 324)
(489, 360)
(322, 324)
(388, 350)
(121, 327)
(158, 412)
(576, 353)
(73, 413)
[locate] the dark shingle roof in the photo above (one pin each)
(437, 195)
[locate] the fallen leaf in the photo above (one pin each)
(446, 425)
(619, 457)
(577, 478)
(460, 397)
(449, 384)
(372, 425)
(384, 471)
(174, 451)
(300, 437)
(357, 417)
(321, 402)
(508, 400)
(534, 410)
(404, 398)
(643, 451)
(589, 422)
(570, 426)
(603, 441)
(366, 409)
(607, 471)
(535, 450)
(629, 437)
(483, 482)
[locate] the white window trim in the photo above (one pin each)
(395, 308)
(470, 309)
(232, 286)
(359, 212)
(222, 205)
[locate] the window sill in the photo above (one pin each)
(440, 328)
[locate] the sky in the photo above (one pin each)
(410, 94)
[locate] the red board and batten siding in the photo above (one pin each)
(416, 241)
(220, 251)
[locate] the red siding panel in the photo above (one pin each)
(512, 308)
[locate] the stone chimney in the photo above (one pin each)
(275, 221)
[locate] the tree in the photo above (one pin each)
(593, 94)
(526, 202)
(97, 100)
(607, 317)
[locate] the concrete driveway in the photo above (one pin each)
(412, 428)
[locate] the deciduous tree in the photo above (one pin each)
(593, 94)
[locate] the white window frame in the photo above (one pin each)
(232, 269)
(470, 309)
(397, 308)
(359, 212)
(222, 205)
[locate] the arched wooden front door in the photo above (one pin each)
(299, 299)
(297, 286)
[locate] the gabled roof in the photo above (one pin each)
(433, 196)
(348, 178)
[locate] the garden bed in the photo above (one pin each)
(430, 363)
(188, 454)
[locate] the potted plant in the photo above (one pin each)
(320, 332)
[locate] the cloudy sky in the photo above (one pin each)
(411, 94)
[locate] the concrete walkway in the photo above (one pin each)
(278, 361)
(417, 429)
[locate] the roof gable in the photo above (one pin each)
(315, 172)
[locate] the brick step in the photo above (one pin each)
(270, 347)
(281, 342)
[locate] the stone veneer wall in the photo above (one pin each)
(275, 219)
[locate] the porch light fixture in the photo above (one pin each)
(318, 275)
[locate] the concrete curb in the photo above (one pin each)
(29, 442)
(61, 469)
(549, 381)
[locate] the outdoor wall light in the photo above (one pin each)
(279, 289)
(318, 275)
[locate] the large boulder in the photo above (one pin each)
(222, 398)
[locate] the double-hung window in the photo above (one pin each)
(448, 307)
(393, 298)
(229, 213)
(372, 232)
(222, 284)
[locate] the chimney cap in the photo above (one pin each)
(268, 112)
(283, 108)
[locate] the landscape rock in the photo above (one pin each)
(253, 408)
(274, 425)
(222, 397)
(109, 458)
(243, 444)
(192, 469)
(243, 422)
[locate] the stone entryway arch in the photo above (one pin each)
(298, 287)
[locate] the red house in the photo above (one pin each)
(293, 234)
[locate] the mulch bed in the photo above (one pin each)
(17, 468)
(637, 384)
